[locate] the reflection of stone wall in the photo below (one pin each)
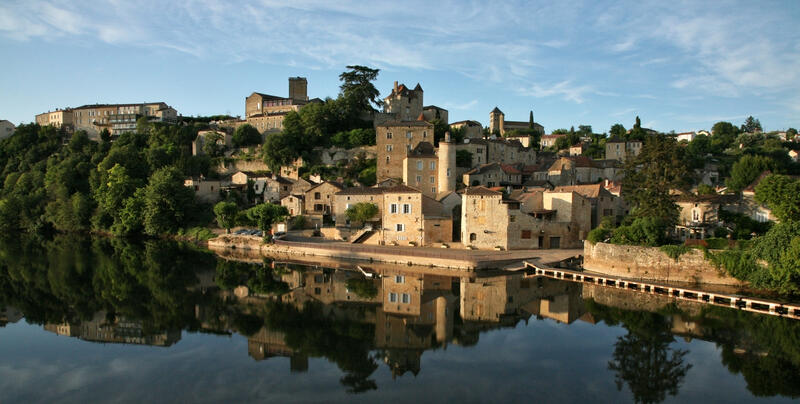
(650, 263)
(628, 300)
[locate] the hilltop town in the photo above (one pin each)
(392, 171)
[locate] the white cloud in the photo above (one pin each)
(564, 89)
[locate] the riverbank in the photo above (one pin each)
(465, 260)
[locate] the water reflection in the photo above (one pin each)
(112, 291)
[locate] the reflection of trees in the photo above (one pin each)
(643, 358)
(343, 341)
(648, 365)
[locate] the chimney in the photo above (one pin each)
(395, 88)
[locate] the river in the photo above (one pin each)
(107, 320)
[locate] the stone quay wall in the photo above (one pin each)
(650, 263)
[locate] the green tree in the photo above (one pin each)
(265, 214)
(791, 133)
(723, 134)
(357, 87)
(246, 135)
(705, 189)
(617, 130)
(166, 202)
(751, 125)
(649, 177)
(213, 145)
(226, 214)
(747, 169)
(463, 158)
(782, 195)
(361, 212)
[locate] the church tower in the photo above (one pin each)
(496, 121)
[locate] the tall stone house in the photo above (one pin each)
(266, 112)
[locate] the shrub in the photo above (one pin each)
(644, 231)
(599, 235)
(674, 251)
(298, 222)
(717, 243)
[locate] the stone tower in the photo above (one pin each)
(447, 164)
(496, 121)
(298, 88)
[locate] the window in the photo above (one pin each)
(448, 172)
(406, 208)
(424, 134)
(388, 135)
(400, 227)
(408, 147)
(419, 165)
(512, 218)
(408, 135)
(526, 234)
(387, 159)
(406, 298)
(479, 150)
(388, 147)
(317, 207)
(317, 195)
(393, 208)
(433, 190)
(393, 297)
(419, 179)
(432, 179)
(399, 279)
(432, 165)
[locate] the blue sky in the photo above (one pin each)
(679, 65)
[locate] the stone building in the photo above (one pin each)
(404, 104)
(432, 112)
(6, 129)
(410, 218)
(488, 220)
(603, 203)
(117, 118)
(699, 214)
(429, 170)
(472, 129)
(294, 204)
(573, 170)
(319, 199)
(394, 139)
(506, 151)
(619, 149)
(266, 112)
(207, 191)
(550, 140)
(499, 124)
(493, 175)
(60, 118)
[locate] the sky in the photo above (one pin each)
(680, 66)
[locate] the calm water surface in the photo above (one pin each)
(90, 320)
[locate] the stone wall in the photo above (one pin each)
(650, 263)
(241, 165)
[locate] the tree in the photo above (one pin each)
(246, 135)
(226, 214)
(358, 94)
(723, 134)
(751, 125)
(212, 144)
(585, 130)
(617, 130)
(265, 214)
(361, 212)
(166, 202)
(791, 133)
(463, 158)
(705, 189)
(747, 169)
(782, 195)
(649, 177)
(530, 122)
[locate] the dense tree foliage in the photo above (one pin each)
(747, 169)
(361, 212)
(246, 135)
(226, 213)
(651, 175)
(133, 185)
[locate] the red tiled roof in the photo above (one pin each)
(480, 190)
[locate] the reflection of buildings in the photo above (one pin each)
(268, 343)
(119, 331)
(9, 315)
(492, 299)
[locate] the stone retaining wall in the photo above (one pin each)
(650, 263)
